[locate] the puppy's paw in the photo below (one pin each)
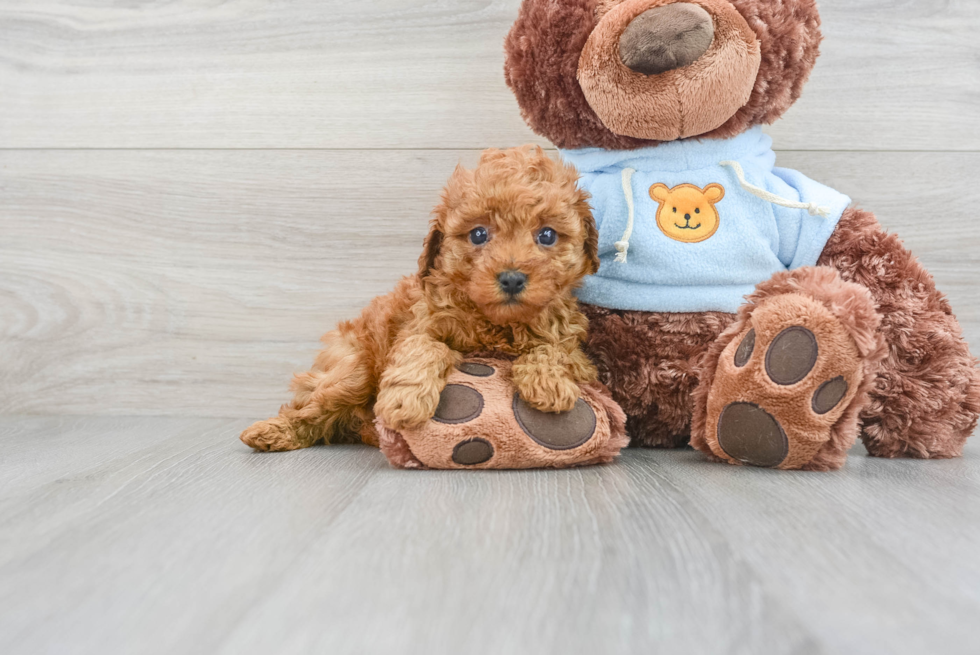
(273, 435)
(547, 393)
(404, 407)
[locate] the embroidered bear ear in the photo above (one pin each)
(660, 192)
(714, 193)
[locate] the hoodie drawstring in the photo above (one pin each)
(623, 245)
(812, 207)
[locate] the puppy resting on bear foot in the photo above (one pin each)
(659, 104)
(506, 247)
(481, 423)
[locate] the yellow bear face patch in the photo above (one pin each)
(688, 213)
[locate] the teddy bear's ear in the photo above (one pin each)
(714, 193)
(659, 192)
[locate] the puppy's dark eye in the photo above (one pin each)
(479, 236)
(547, 237)
(675, 210)
(697, 211)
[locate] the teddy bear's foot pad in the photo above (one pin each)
(563, 431)
(481, 422)
(751, 435)
(782, 384)
(473, 452)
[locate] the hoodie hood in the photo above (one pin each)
(753, 147)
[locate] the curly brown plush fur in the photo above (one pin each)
(648, 361)
(545, 44)
(394, 358)
(924, 395)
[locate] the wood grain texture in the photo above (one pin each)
(895, 75)
(196, 283)
(167, 535)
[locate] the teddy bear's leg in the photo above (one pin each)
(926, 398)
(483, 422)
(783, 387)
(331, 401)
(647, 360)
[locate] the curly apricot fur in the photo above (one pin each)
(395, 357)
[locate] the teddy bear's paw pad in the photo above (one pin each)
(563, 431)
(476, 369)
(458, 404)
(745, 349)
(472, 452)
(829, 395)
(751, 435)
(792, 355)
(782, 384)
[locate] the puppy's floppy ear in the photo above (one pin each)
(452, 196)
(430, 249)
(569, 178)
(591, 242)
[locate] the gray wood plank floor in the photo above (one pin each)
(143, 535)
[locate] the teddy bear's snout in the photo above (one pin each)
(666, 38)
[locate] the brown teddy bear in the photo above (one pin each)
(740, 307)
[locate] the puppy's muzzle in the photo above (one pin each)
(512, 282)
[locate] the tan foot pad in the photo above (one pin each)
(482, 423)
(782, 384)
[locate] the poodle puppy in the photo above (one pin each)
(507, 246)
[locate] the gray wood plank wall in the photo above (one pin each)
(191, 193)
(419, 74)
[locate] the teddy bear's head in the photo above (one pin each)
(624, 74)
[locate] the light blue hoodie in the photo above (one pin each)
(644, 267)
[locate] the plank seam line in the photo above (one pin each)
(464, 149)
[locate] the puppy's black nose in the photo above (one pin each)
(687, 217)
(512, 282)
